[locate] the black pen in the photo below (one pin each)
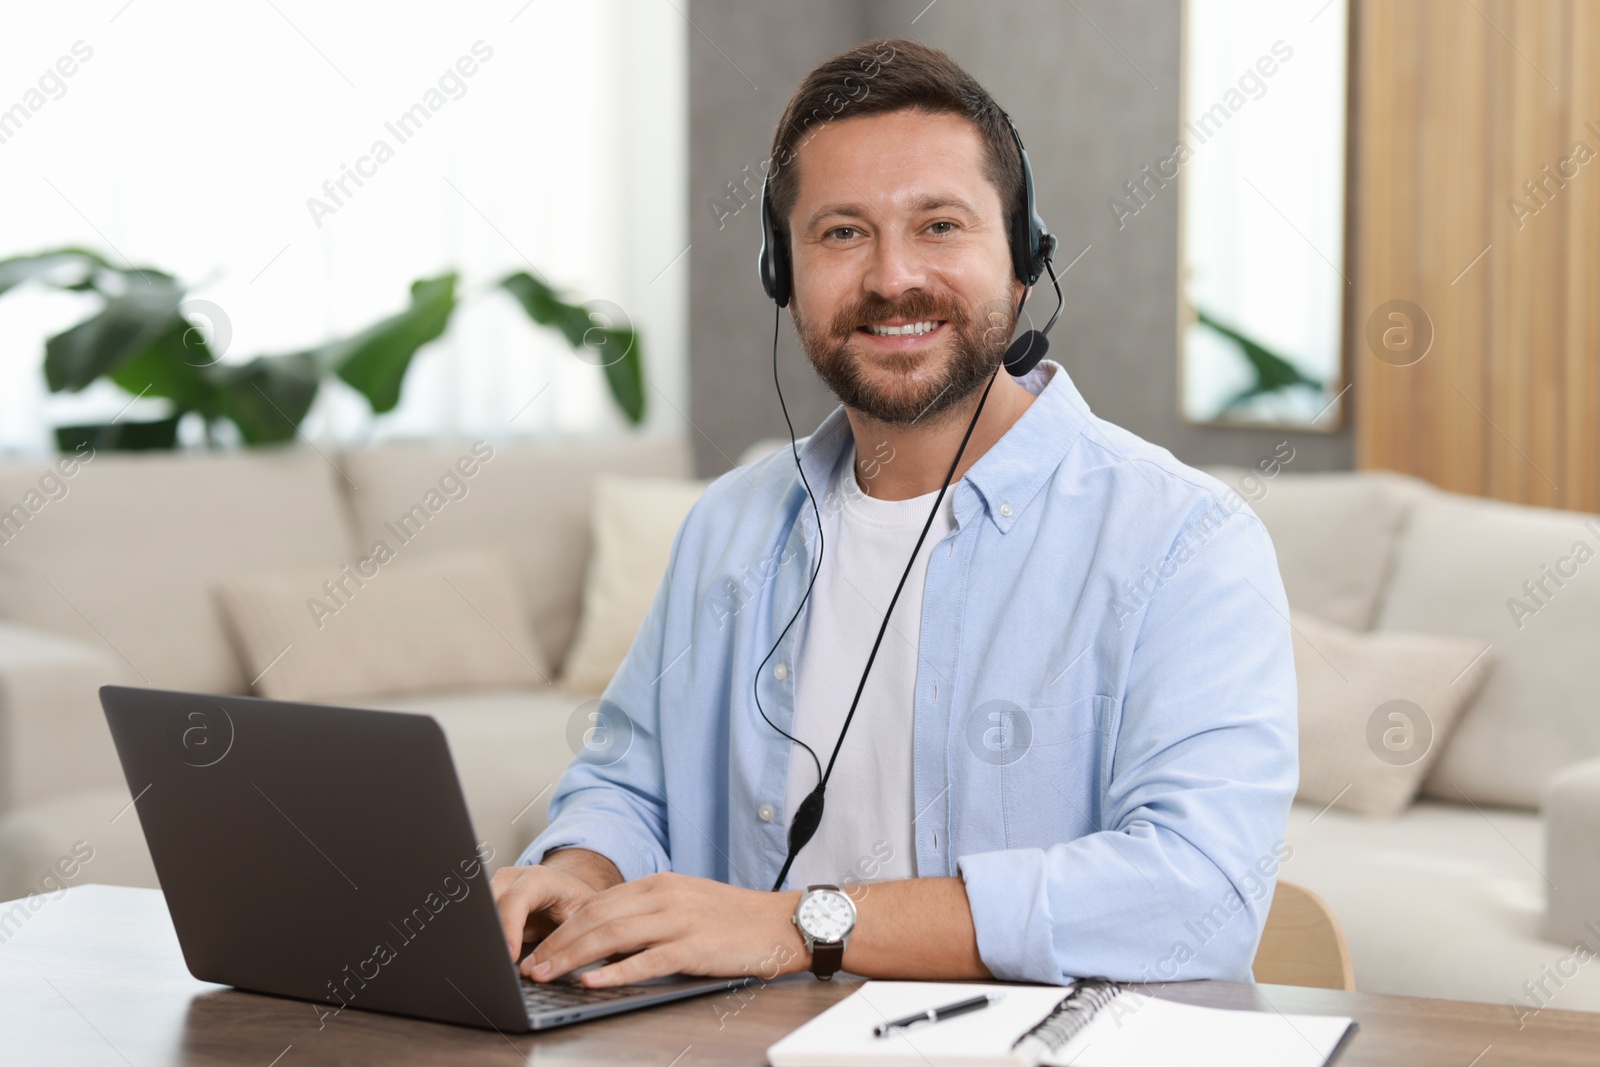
(933, 1015)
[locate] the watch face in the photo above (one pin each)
(826, 915)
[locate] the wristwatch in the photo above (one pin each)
(825, 917)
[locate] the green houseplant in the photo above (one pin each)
(1272, 371)
(145, 338)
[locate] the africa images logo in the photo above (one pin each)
(201, 732)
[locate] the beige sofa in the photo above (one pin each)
(108, 575)
(1482, 889)
(1482, 885)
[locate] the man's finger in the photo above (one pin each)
(597, 941)
(628, 934)
(525, 894)
(639, 967)
(618, 902)
(513, 908)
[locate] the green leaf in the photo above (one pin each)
(546, 308)
(1272, 371)
(268, 397)
(98, 345)
(120, 436)
(19, 269)
(624, 370)
(173, 366)
(536, 298)
(575, 324)
(614, 349)
(374, 361)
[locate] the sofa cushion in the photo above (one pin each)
(1571, 809)
(98, 828)
(383, 625)
(1525, 583)
(528, 501)
(53, 736)
(1440, 901)
(1334, 533)
(509, 748)
(1376, 710)
(126, 557)
(635, 522)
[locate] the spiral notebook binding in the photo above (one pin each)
(1076, 1010)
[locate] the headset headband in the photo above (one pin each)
(1032, 244)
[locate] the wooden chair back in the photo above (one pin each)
(1302, 943)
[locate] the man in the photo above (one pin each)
(1076, 750)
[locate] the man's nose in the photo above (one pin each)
(896, 265)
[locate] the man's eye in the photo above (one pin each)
(843, 233)
(941, 228)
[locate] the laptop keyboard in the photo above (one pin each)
(566, 994)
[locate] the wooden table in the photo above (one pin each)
(94, 976)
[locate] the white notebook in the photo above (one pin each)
(1103, 1025)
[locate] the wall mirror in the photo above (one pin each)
(1261, 162)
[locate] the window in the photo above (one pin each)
(211, 141)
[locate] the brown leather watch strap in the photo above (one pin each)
(826, 958)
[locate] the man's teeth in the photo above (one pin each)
(910, 329)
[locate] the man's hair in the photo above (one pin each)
(881, 76)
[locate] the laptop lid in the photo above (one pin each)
(317, 852)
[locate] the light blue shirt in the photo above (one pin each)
(1105, 743)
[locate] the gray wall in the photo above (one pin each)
(1092, 110)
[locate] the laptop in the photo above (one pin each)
(325, 853)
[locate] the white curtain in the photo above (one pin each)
(192, 137)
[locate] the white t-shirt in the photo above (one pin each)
(866, 834)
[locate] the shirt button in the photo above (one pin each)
(764, 813)
(1005, 510)
(781, 671)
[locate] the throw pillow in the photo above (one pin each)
(1376, 709)
(632, 528)
(374, 628)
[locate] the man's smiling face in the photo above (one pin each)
(904, 297)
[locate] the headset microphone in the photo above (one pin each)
(1026, 351)
(1032, 248)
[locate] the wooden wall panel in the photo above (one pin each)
(1458, 106)
(1581, 369)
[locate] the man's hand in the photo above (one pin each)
(535, 900)
(672, 924)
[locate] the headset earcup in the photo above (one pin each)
(1031, 243)
(774, 267)
(773, 262)
(1022, 244)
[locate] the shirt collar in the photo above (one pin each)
(1008, 476)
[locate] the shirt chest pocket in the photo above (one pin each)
(1053, 781)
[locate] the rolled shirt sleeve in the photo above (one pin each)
(1178, 883)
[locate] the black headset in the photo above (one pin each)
(1032, 247)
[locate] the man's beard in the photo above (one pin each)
(976, 345)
